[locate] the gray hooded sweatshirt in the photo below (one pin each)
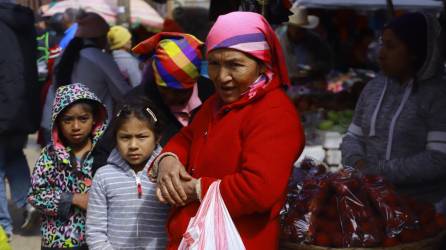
(400, 130)
(119, 216)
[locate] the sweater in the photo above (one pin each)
(399, 129)
(118, 218)
(129, 66)
(416, 161)
(251, 148)
(149, 90)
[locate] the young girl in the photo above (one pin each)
(123, 211)
(62, 175)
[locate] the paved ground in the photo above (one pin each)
(29, 239)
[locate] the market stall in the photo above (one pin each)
(326, 112)
(345, 209)
(326, 105)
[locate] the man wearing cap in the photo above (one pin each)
(120, 42)
(306, 54)
(171, 80)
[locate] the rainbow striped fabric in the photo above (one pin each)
(176, 59)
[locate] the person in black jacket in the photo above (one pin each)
(171, 80)
(19, 103)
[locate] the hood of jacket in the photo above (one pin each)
(434, 56)
(65, 96)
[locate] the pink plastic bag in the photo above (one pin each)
(212, 227)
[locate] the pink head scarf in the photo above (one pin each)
(250, 33)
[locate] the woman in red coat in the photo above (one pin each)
(248, 135)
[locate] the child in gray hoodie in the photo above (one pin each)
(123, 211)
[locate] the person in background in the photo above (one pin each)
(84, 60)
(19, 106)
(56, 29)
(171, 80)
(358, 56)
(70, 18)
(399, 125)
(50, 31)
(247, 135)
(120, 42)
(122, 197)
(43, 45)
(306, 54)
(62, 176)
(61, 30)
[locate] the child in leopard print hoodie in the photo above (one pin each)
(62, 176)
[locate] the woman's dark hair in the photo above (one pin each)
(55, 23)
(142, 109)
(69, 57)
(411, 29)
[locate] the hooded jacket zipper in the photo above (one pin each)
(139, 192)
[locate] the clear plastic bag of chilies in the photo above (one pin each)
(361, 225)
(297, 220)
(400, 221)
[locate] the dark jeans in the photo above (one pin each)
(14, 168)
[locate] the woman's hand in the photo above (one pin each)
(171, 174)
(80, 200)
(190, 187)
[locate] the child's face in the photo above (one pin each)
(135, 142)
(76, 124)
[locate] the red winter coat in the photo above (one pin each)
(251, 148)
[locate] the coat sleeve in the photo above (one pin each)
(353, 146)
(12, 89)
(429, 164)
(134, 72)
(180, 144)
(271, 142)
(96, 225)
(43, 195)
(116, 83)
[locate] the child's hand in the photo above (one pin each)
(80, 200)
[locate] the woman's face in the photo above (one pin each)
(232, 72)
(394, 57)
